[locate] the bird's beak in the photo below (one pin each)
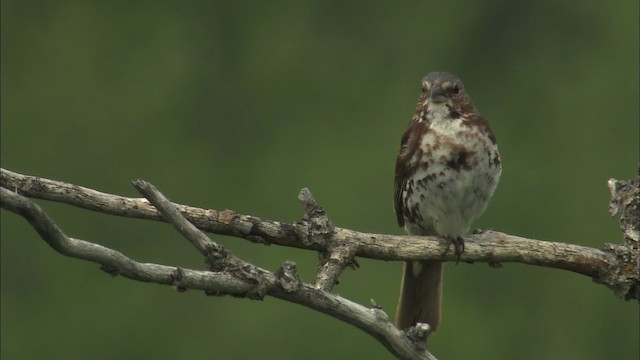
(438, 95)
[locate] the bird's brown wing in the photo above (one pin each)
(398, 189)
(409, 145)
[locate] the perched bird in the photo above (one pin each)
(446, 171)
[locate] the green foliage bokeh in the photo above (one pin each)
(239, 105)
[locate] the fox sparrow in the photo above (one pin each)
(447, 169)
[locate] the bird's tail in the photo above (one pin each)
(420, 294)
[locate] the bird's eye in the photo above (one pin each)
(456, 89)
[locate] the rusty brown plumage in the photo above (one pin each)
(447, 169)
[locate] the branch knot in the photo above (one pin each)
(315, 224)
(287, 276)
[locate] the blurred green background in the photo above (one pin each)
(239, 105)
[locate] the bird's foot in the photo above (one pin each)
(458, 247)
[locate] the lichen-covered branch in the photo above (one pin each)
(231, 276)
(114, 262)
(625, 200)
(616, 266)
(336, 255)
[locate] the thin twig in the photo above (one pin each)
(171, 214)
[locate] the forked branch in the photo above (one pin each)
(616, 266)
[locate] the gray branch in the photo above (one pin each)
(616, 266)
(228, 274)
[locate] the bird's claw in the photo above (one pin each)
(458, 247)
(458, 244)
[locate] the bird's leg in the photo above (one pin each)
(458, 247)
(458, 243)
